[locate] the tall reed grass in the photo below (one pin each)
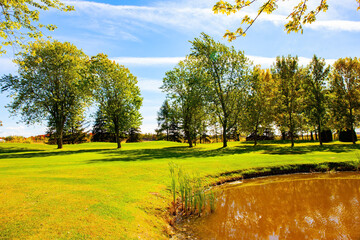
(188, 192)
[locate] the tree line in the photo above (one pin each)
(216, 86)
(56, 82)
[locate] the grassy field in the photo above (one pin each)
(94, 191)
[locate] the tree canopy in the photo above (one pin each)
(51, 84)
(300, 15)
(117, 94)
(18, 20)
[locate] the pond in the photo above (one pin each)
(300, 206)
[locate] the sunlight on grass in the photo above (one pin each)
(96, 191)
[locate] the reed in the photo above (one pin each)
(357, 161)
(189, 192)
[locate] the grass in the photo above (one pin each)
(94, 191)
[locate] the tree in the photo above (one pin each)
(117, 94)
(134, 135)
(288, 83)
(228, 72)
(185, 86)
(300, 15)
(18, 19)
(163, 118)
(315, 97)
(51, 85)
(101, 129)
(345, 93)
(1, 123)
(259, 107)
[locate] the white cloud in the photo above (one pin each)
(151, 85)
(7, 66)
(128, 22)
(148, 61)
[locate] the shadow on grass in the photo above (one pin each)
(184, 152)
(179, 152)
(30, 153)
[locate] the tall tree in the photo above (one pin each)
(299, 16)
(228, 72)
(259, 107)
(164, 119)
(51, 84)
(185, 86)
(288, 86)
(18, 18)
(345, 93)
(117, 94)
(315, 97)
(101, 129)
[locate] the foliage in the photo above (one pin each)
(164, 118)
(345, 93)
(184, 85)
(73, 133)
(117, 94)
(315, 93)
(18, 18)
(299, 16)
(51, 84)
(228, 73)
(134, 135)
(288, 94)
(259, 106)
(101, 129)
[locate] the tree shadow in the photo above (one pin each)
(184, 152)
(28, 153)
(179, 152)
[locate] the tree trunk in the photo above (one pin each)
(312, 136)
(353, 134)
(59, 140)
(117, 134)
(59, 134)
(319, 130)
(316, 135)
(255, 137)
(224, 135)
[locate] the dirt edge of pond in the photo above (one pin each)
(232, 176)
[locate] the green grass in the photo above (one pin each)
(96, 191)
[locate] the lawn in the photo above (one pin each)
(94, 191)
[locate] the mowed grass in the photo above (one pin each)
(94, 191)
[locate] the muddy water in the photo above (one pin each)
(302, 206)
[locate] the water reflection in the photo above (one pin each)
(317, 206)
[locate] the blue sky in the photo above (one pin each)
(150, 37)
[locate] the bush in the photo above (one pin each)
(326, 136)
(346, 136)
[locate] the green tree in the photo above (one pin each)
(185, 86)
(117, 94)
(345, 93)
(288, 86)
(299, 16)
(101, 129)
(315, 95)
(259, 107)
(164, 119)
(227, 71)
(18, 18)
(51, 84)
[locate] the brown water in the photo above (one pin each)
(301, 206)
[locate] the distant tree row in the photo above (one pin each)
(218, 86)
(56, 82)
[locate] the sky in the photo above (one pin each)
(151, 37)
